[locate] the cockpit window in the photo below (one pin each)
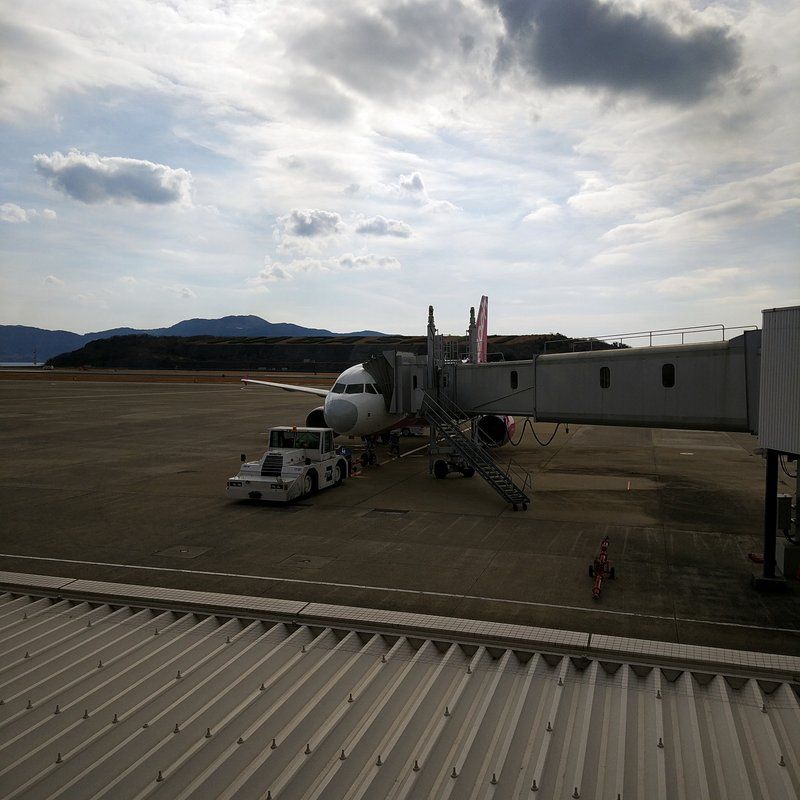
(354, 388)
(370, 388)
(338, 388)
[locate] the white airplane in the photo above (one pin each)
(355, 406)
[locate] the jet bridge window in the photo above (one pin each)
(354, 388)
(668, 376)
(605, 377)
(338, 388)
(514, 379)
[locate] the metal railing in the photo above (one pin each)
(714, 332)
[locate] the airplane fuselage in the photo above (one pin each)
(355, 406)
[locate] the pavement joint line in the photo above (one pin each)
(421, 592)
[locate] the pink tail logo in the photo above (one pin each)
(483, 328)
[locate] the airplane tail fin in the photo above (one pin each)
(483, 328)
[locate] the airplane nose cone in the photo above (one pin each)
(341, 415)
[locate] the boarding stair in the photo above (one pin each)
(509, 480)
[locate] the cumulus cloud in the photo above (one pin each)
(380, 226)
(368, 262)
(52, 280)
(49, 214)
(690, 283)
(91, 178)
(311, 223)
(186, 293)
(11, 212)
(599, 44)
(546, 212)
(412, 183)
(409, 188)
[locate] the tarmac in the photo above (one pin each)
(124, 482)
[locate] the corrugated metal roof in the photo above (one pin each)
(105, 699)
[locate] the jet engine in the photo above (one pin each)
(495, 431)
(316, 418)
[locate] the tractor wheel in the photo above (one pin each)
(440, 469)
(338, 474)
(468, 472)
(309, 484)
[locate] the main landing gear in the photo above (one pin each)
(369, 458)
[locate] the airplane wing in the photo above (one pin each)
(290, 388)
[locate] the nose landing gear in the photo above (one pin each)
(369, 458)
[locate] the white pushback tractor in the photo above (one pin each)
(298, 462)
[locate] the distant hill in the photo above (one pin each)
(276, 353)
(18, 342)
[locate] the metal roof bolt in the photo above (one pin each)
(447, 711)
(27, 654)
(454, 774)
(155, 633)
(115, 720)
(493, 781)
(240, 740)
(262, 688)
(59, 759)
(534, 787)
(576, 794)
(269, 794)
(560, 681)
(307, 751)
(160, 777)
(208, 733)
(58, 709)
(29, 706)
(177, 728)
(100, 664)
(416, 765)
(379, 763)
(782, 762)
(469, 669)
(86, 713)
(303, 649)
(25, 615)
(342, 756)
(178, 675)
(89, 624)
(658, 694)
(764, 707)
(549, 727)
(660, 742)
(383, 659)
(228, 640)
(350, 698)
(146, 725)
(275, 744)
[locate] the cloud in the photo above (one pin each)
(91, 178)
(49, 214)
(412, 183)
(186, 293)
(368, 262)
(598, 44)
(272, 273)
(311, 223)
(52, 280)
(380, 226)
(547, 212)
(690, 283)
(11, 212)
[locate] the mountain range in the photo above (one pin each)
(19, 342)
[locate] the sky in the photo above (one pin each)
(595, 167)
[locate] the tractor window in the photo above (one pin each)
(338, 388)
(328, 442)
(354, 388)
(668, 376)
(281, 439)
(370, 388)
(514, 379)
(307, 439)
(605, 377)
